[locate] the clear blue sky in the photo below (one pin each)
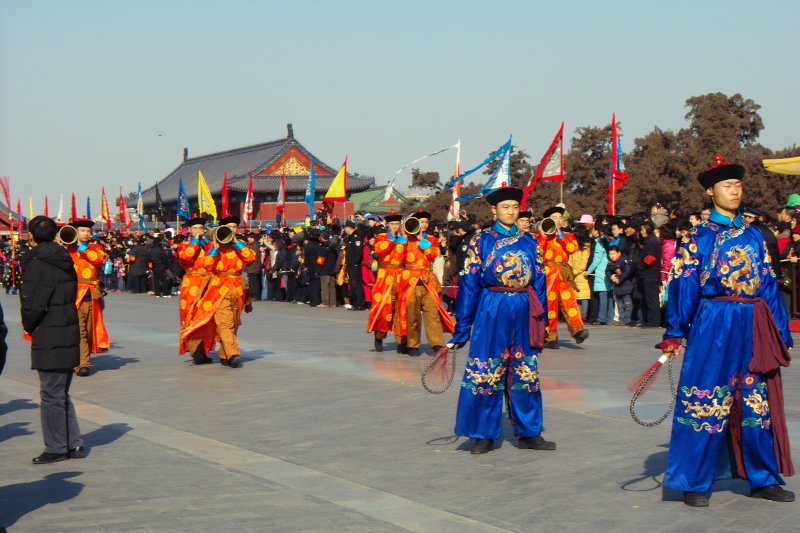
(108, 93)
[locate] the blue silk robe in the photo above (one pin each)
(500, 360)
(720, 257)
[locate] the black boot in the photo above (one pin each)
(536, 443)
(235, 362)
(774, 493)
(695, 499)
(378, 345)
(413, 352)
(482, 446)
(402, 348)
(582, 335)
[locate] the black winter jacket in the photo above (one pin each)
(47, 304)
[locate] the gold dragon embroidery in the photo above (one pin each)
(741, 280)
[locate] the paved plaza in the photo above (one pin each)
(317, 432)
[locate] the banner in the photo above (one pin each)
(60, 216)
(248, 201)
(124, 217)
(140, 210)
(551, 166)
(224, 207)
(617, 177)
(311, 187)
(205, 202)
(104, 209)
(499, 178)
(281, 203)
(337, 192)
(454, 213)
(497, 154)
(182, 207)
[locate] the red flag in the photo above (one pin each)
(281, 205)
(74, 214)
(618, 176)
(6, 186)
(19, 216)
(225, 196)
(46, 207)
(551, 167)
(104, 209)
(124, 217)
(248, 201)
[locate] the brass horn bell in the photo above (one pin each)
(549, 226)
(411, 225)
(68, 235)
(223, 235)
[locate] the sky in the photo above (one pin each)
(98, 93)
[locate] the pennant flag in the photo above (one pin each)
(205, 202)
(140, 210)
(30, 208)
(89, 207)
(248, 201)
(281, 204)
(159, 205)
(19, 215)
(182, 207)
(74, 213)
(60, 217)
(46, 207)
(337, 192)
(311, 187)
(6, 186)
(454, 213)
(551, 166)
(437, 152)
(124, 217)
(617, 177)
(104, 209)
(387, 194)
(499, 178)
(224, 206)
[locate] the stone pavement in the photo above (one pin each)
(316, 432)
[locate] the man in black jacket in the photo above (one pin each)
(354, 250)
(47, 305)
(137, 272)
(312, 253)
(649, 272)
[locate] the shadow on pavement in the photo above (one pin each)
(252, 355)
(654, 466)
(22, 498)
(110, 362)
(14, 429)
(105, 435)
(15, 405)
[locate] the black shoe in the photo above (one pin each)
(581, 336)
(200, 359)
(536, 443)
(413, 352)
(553, 345)
(224, 362)
(235, 362)
(83, 372)
(402, 348)
(378, 345)
(482, 446)
(774, 493)
(695, 499)
(78, 452)
(436, 348)
(47, 458)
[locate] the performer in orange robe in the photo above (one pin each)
(88, 258)
(223, 301)
(555, 250)
(191, 257)
(419, 293)
(390, 254)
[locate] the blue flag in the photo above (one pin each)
(182, 209)
(89, 207)
(310, 188)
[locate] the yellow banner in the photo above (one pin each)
(205, 202)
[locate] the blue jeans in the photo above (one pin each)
(624, 304)
(602, 313)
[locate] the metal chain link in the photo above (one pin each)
(444, 351)
(643, 387)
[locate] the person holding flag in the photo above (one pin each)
(88, 257)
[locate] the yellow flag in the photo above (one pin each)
(30, 207)
(337, 192)
(205, 202)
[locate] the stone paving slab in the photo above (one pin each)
(319, 433)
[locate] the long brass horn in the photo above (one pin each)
(223, 235)
(549, 226)
(411, 225)
(68, 235)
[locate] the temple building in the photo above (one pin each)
(268, 161)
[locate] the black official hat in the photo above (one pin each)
(230, 219)
(82, 223)
(422, 214)
(553, 211)
(350, 224)
(525, 214)
(504, 193)
(720, 171)
(195, 221)
(393, 216)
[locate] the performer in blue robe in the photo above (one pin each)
(501, 275)
(721, 283)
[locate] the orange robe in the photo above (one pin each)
(555, 251)
(418, 268)
(87, 264)
(227, 265)
(384, 293)
(191, 257)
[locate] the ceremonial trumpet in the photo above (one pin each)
(68, 235)
(223, 235)
(411, 225)
(548, 226)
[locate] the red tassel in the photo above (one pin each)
(651, 372)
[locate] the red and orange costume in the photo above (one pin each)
(88, 258)
(419, 292)
(219, 311)
(191, 257)
(555, 250)
(384, 294)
